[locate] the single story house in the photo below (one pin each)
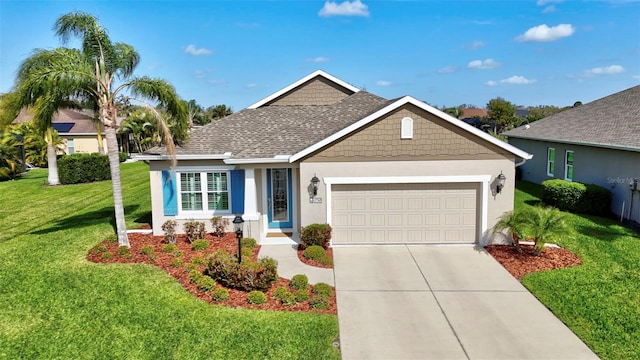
(323, 151)
(77, 128)
(596, 143)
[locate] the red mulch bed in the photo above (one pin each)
(521, 264)
(237, 298)
(315, 263)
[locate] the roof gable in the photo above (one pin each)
(611, 122)
(315, 76)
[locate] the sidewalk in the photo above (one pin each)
(289, 264)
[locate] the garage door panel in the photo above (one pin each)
(404, 213)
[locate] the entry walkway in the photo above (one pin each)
(441, 302)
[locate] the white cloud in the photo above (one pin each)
(608, 70)
(514, 80)
(383, 83)
(475, 45)
(447, 70)
(543, 33)
(345, 8)
(484, 64)
(544, 2)
(549, 9)
(191, 49)
(319, 59)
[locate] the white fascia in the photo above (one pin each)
(422, 105)
(182, 157)
(272, 160)
(302, 81)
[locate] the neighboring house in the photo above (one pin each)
(474, 116)
(387, 171)
(77, 128)
(596, 143)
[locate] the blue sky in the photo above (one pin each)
(530, 52)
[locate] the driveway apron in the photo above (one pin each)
(441, 302)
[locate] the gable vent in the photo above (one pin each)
(406, 128)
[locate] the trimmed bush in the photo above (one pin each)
(198, 260)
(205, 283)
(326, 260)
(322, 289)
(176, 262)
(123, 156)
(319, 302)
(577, 197)
(147, 250)
(98, 249)
(247, 253)
(301, 295)
(124, 252)
(195, 275)
(106, 256)
(219, 225)
(315, 234)
(194, 230)
(249, 243)
(314, 252)
(177, 253)
(220, 295)
(256, 297)
(299, 282)
(83, 168)
(201, 244)
(249, 275)
(284, 296)
(169, 248)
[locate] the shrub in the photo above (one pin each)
(124, 252)
(195, 275)
(314, 252)
(247, 253)
(299, 282)
(201, 244)
(112, 238)
(190, 267)
(169, 248)
(98, 249)
(205, 283)
(576, 197)
(315, 234)
(194, 230)
(219, 225)
(319, 302)
(249, 275)
(177, 253)
(169, 228)
(106, 256)
(256, 297)
(326, 260)
(302, 295)
(123, 156)
(198, 260)
(220, 294)
(249, 243)
(323, 289)
(83, 168)
(286, 298)
(277, 293)
(176, 262)
(147, 250)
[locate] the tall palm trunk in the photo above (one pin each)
(52, 159)
(118, 204)
(100, 144)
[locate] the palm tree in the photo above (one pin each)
(218, 112)
(9, 157)
(547, 224)
(90, 73)
(514, 222)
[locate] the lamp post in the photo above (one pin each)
(237, 225)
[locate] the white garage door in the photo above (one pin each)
(404, 213)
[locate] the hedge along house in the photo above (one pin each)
(322, 151)
(596, 143)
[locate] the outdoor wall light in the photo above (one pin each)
(237, 225)
(501, 179)
(314, 184)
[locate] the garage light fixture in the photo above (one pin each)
(314, 184)
(501, 179)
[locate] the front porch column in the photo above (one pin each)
(250, 196)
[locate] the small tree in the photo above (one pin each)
(514, 222)
(546, 224)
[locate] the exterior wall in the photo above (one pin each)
(497, 203)
(318, 91)
(433, 139)
(611, 169)
(84, 143)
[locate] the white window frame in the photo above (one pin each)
(205, 212)
(567, 165)
(406, 128)
(551, 164)
(71, 147)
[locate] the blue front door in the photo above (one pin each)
(279, 198)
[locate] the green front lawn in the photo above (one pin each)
(599, 300)
(56, 304)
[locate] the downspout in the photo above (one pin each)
(521, 162)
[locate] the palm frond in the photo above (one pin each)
(126, 59)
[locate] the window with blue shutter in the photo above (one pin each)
(169, 193)
(237, 191)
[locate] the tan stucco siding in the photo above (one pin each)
(497, 204)
(433, 139)
(318, 91)
(84, 143)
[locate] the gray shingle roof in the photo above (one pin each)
(612, 122)
(277, 130)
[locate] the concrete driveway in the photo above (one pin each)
(441, 302)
